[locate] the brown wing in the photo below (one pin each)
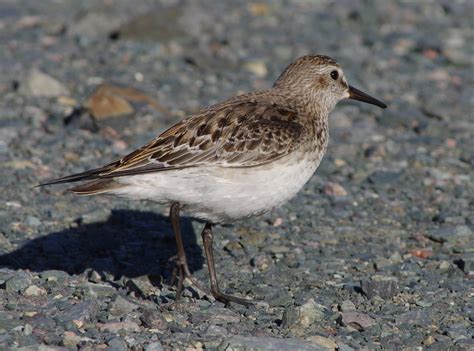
(236, 134)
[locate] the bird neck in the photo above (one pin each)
(312, 107)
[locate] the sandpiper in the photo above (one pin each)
(239, 158)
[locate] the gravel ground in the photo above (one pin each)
(376, 252)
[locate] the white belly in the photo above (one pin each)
(218, 194)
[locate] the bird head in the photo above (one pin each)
(320, 80)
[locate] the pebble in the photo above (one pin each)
(334, 189)
(321, 341)
(298, 318)
(154, 346)
(117, 344)
(122, 306)
(347, 305)
(356, 320)
(257, 67)
(384, 287)
(242, 343)
(34, 290)
(21, 280)
(40, 84)
(115, 327)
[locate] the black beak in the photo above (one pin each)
(356, 94)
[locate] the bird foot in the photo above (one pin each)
(180, 273)
(226, 299)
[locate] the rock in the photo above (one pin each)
(54, 275)
(142, 286)
(429, 340)
(251, 343)
(32, 221)
(83, 311)
(449, 233)
(296, 319)
(117, 344)
(347, 305)
(415, 318)
(261, 262)
(70, 339)
(121, 306)
(154, 346)
(356, 320)
(95, 25)
(8, 321)
(38, 84)
(257, 67)
(385, 287)
(33, 290)
(383, 178)
(334, 189)
(153, 320)
(213, 330)
(21, 280)
(115, 327)
(93, 290)
(321, 341)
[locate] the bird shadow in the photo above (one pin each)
(128, 244)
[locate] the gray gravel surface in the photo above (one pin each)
(376, 252)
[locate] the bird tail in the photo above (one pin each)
(96, 185)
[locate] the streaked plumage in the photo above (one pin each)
(242, 157)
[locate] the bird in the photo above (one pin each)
(236, 159)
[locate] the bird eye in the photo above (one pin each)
(334, 75)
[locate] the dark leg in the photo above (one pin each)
(182, 268)
(207, 237)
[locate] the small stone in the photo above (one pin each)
(321, 341)
(117, 344)
(94, 276)
(356, 320)
(396, 258)
(277, 249)
(154, 346)
(21, 280)
(257, 67)
(449, 233)
(252, 343)
(34, 290)
(444, 265)
(153, 320)
(70, 339)
(347, 305)
(429, 340)
(233, 246)
(38, 83)
(32, 221)
(114, 327)
(83, 311)
(261, 262)
(54, 275)
(415, 318)
(94, 291)
(142, 286)
(385, 287)
(334, 189)
(296, 319)
(215, 330)
(121, 306)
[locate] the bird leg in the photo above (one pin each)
(207, 238)
(181, 261)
